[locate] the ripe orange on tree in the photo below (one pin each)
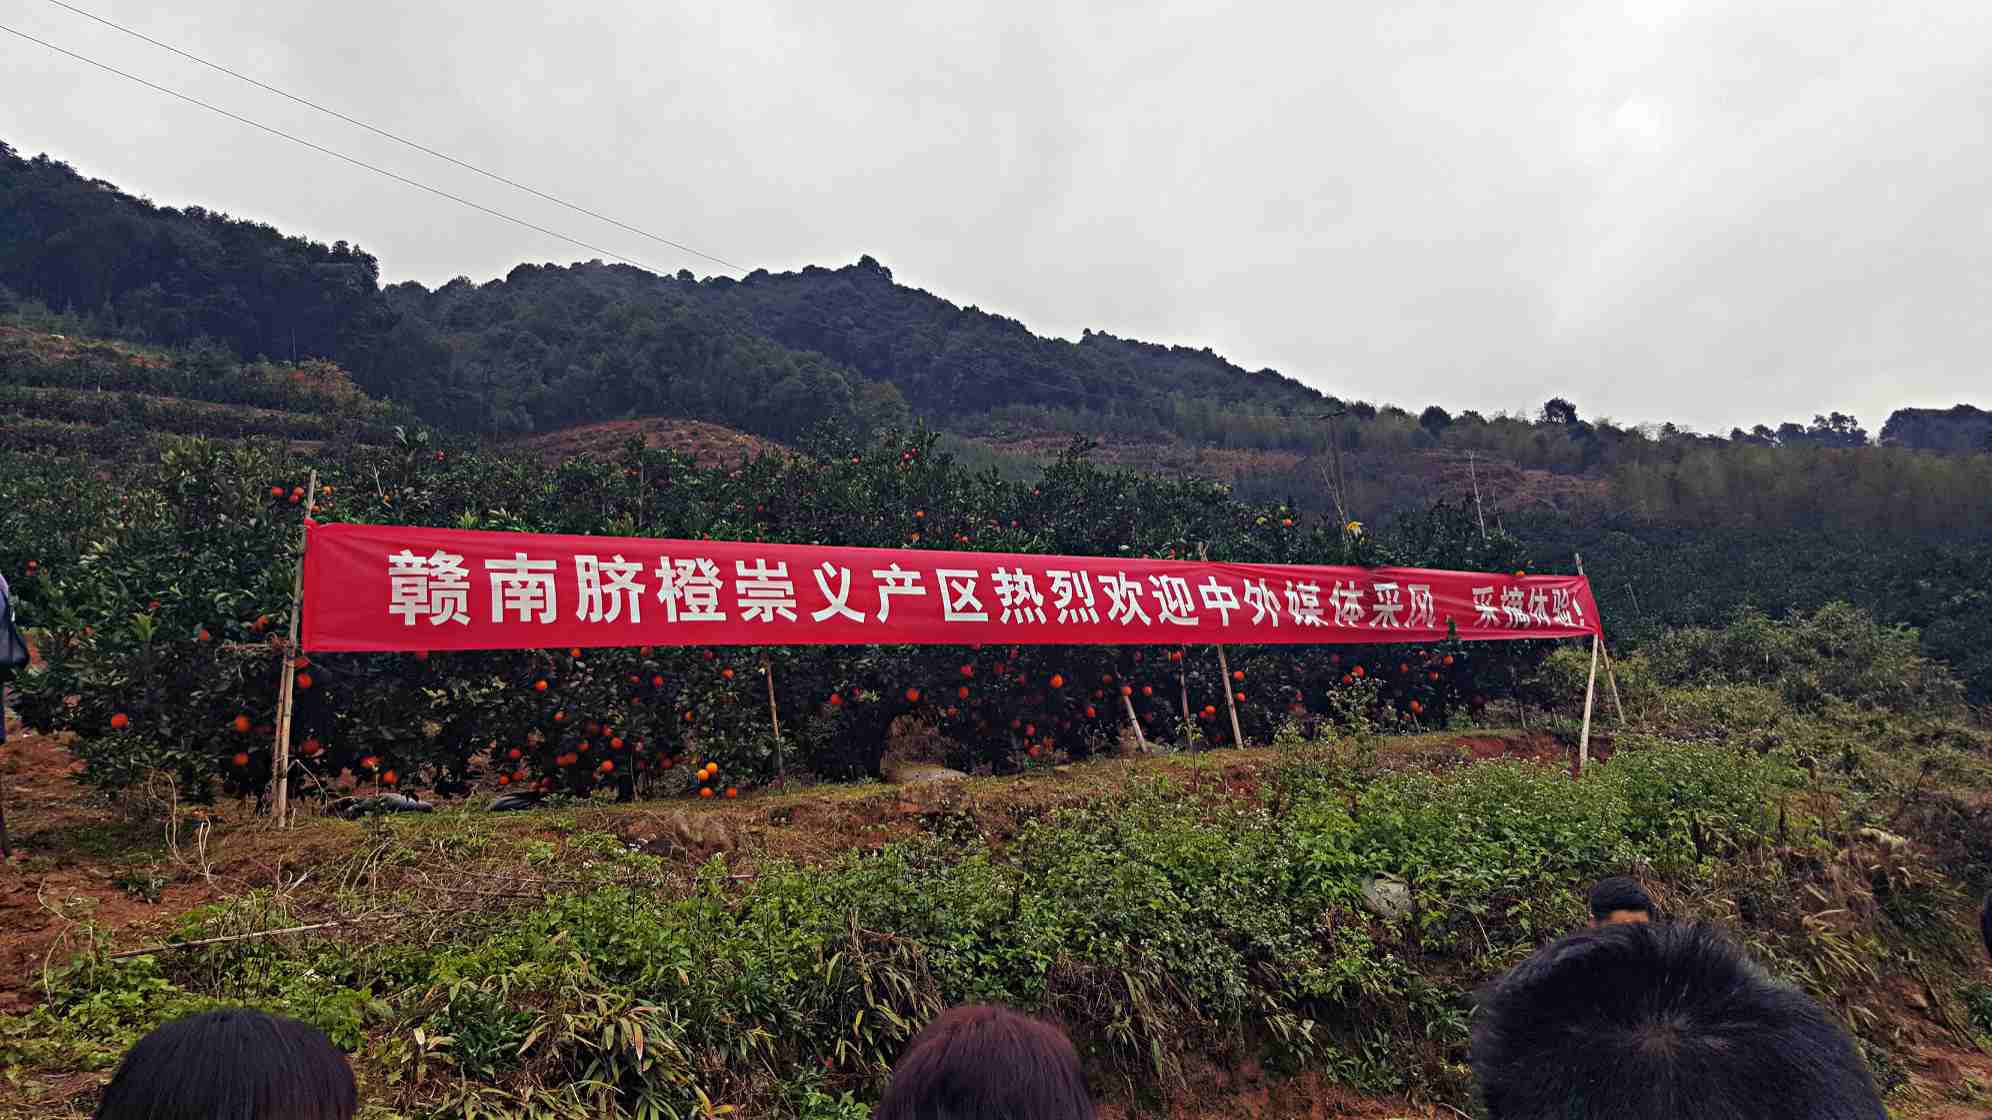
(726, 673)
(304, 680)
(241, 758)
(120, 721)
(1148, 690)
(242, 724)
(1057, 680)
(539, 686)
(1357, 671)
(705, 791)
(912, 696)
(311, 747)
(1238, 675)
(732, 791)
(1127, 690)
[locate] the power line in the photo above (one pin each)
(577, 208)
(336, 155)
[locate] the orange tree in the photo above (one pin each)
(167, 617)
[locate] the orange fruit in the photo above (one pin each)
(705, 791)
(390, 778)
(1148, 690)
(504, 780)
(1239, 675)
(1057, 680)
(962, 692)
(1357, 671)
(1127, 690)
(726, 674)
(205, 636)
(539, 686)
(1210, 710)
(575, 652)
(607, 767)
(304, 680)
(836, 699)
(311, 747)
(1239, 696)
(657, 682)
(1449, 659)
(241, 758)
(120, 721)
(912, 696)
(1091, 712)
(615, 743)
(732, 791)
(242, 725)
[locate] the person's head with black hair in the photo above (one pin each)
(1619, 899)
(1645, 1022)
(987, 1063)
(236, 1064)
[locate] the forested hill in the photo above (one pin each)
(777, 354)
(549, 346)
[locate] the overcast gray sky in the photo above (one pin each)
(1697, 210)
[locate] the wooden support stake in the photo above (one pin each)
(1223, 663)
(1134, 720)
(286, 692)
(1183, 683)
(1230, 700)
(1611, 678)
(774, 716)
(1590, 695)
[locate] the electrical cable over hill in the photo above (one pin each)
(399, 178)
(357, 123)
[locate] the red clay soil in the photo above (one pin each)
(708, 444)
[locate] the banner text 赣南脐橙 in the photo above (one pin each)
(391, 587)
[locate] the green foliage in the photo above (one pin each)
(166, 610)
(1158, 927)
(1838, 652)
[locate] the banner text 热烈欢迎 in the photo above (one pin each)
(389, 587)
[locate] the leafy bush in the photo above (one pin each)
(1838, 652)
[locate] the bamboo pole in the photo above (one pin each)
(1611, 678)
(1590, 695)
(774, 717)
(287, 692)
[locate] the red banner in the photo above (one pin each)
(391, 587)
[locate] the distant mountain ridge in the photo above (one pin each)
(779, 355)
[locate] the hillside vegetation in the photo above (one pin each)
(1195, 921)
